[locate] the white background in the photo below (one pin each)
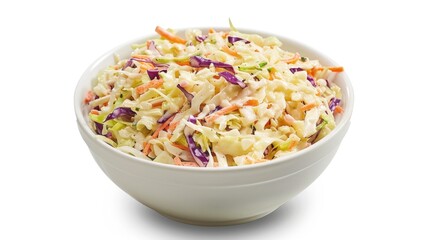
(375, 188)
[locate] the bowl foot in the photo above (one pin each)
(218, 222)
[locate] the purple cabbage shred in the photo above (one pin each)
(201, 38)
(122, 113)
(192, 119)
(217, 108)
(153, 48)
(197, 61)
(197, 153)
(309, 78)
(154, 73)
(333, 103)
(188, 95)
(98, 128)
(232, 79)
(294, 70)
(232, 40)
(129, 63)
(165, 117)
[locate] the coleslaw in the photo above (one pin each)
(213, 99)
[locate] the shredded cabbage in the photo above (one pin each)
(222, 99)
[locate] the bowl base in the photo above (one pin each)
(215, 223)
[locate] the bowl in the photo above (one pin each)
(213, 196)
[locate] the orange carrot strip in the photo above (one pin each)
(231, 52)
(312, 72)
(151, 84)
(177, 161)
(184, 63)
(180, 147)
(223, 111)
(332, 68)
(251, 102)
(170, 37)
(211, 30)
(146, 66)
(272, 71)
(162, 127)
(95, 112)
(146, 149)
(338, 109)
(292, 144)
(147, 44)
(173, 126)
(295, 58)
(139, 56)
(229, 109)
(157, 104)
(336, 68)
(89, 96)
(308, 107)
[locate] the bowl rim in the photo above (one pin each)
(343, 123)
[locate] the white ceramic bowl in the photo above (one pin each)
(214, 196)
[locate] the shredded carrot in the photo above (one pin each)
(338, 109)
(308, 107)
(229, 109)
(295, 58)
(157, 104)
(332, 68)
(173, 126)
(89, 96)
(95, 112)
(184, 63)
(146, 66)
(231, 52)
(146, 149)
(180, 147)
(223, 111)
(211, 30)
(225, 34)
(251, 102)
(312, 72)
(170, 37)
(151, 84)
(162, 127)
(139, 56)
(336, 68)
(267, 125)
(272, 72)
(292, 144)
(147, 44)
(177, 161)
